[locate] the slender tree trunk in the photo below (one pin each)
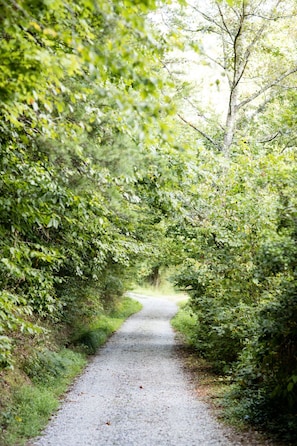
(154, 277)
(231, 121)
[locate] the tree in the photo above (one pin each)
(249, 53)
(80, 93)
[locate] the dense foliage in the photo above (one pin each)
(237, 236)
(80, 93)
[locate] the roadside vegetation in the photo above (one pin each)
(222, 390)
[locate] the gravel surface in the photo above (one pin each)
(135, 393)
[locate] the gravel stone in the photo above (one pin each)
(135, 393)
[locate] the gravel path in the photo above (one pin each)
(134, 392)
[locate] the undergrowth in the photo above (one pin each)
(92, 337)
(220, 391)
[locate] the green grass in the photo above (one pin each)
(184, 322)
(32, 409)
(104, 325)
(31, 404)
(30, 393)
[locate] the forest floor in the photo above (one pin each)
(143, 388)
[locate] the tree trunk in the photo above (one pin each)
(230, 121)
(154, 278)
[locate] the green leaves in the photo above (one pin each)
(237, 239)
(80, 97)
(14, 313)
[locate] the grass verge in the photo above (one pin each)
(30, 393)
(92, 337)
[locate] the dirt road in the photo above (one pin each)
(135, 393)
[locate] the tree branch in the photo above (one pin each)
(207, 137)
(208, 18)
(217, 62)
(270, 138)
(267, 87)
(223, 20)
(201, 115)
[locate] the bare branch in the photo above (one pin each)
(217, 62)
(235, 49)
(201, 115)
(208, 18)
(255, 40)
(223, 20)
(271, 84)
(270, 138)
(205, 136)
(289, 145)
